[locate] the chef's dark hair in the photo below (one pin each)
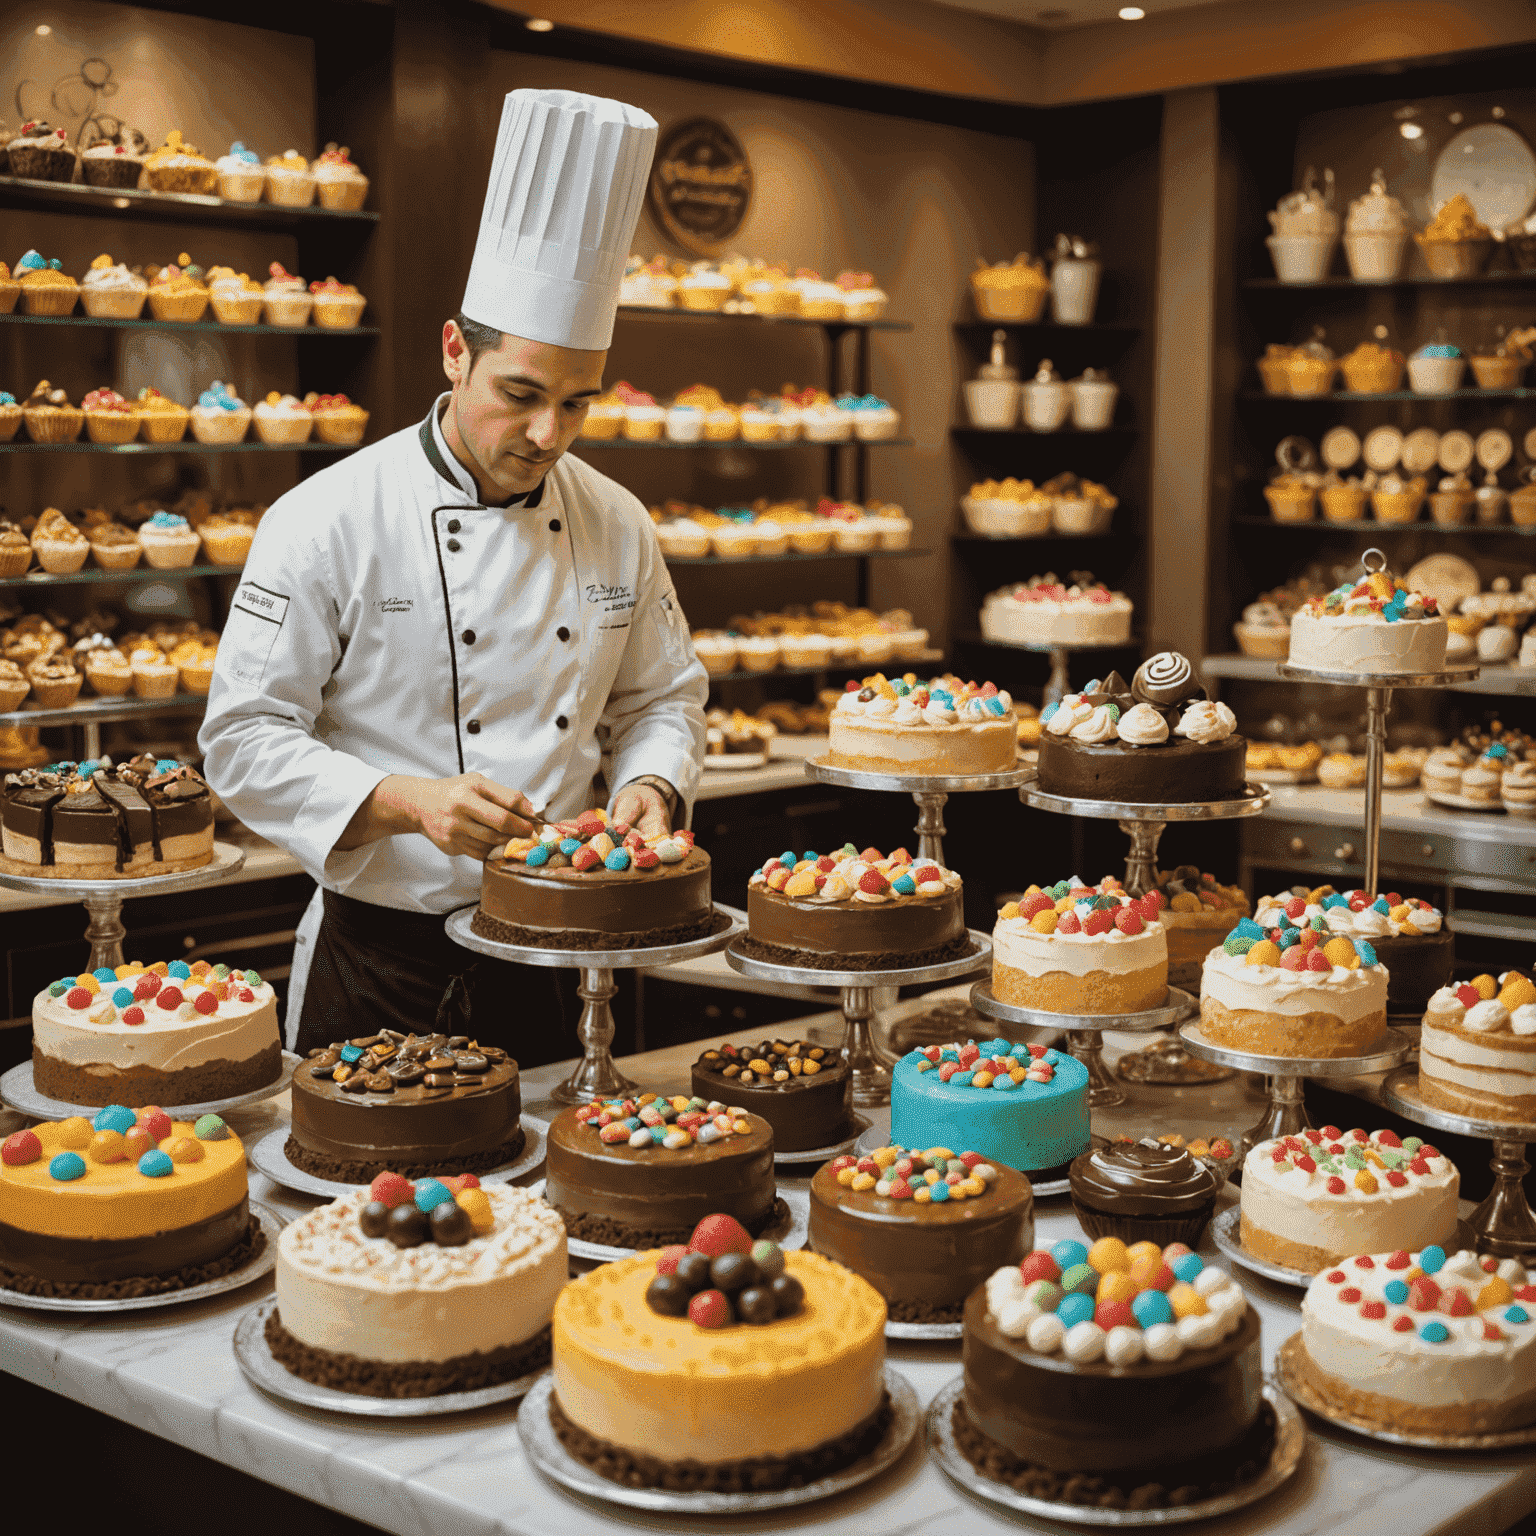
(478, 338)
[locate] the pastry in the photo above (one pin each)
(194, 665)
(1477, 1053)
(716, 651)
(153, 676)
(703, 286)
(55, 682)
(1143, 1191)
(241, 178)
(178, 167)
(290, 182)
(1291, 497)
(1436, 369)
(14, 687)
(1371, 369)
(288, 300)
(41, 153)
(337, 419)
(1375, 234)
(339, 185)
(116, 548)
(236, 298)
(178, 292)
(15, 550)
(282, 419)
(1013, 290)
(169, 542)
(106, 669)
(10, 290)
(109, 291)
(161, 420)
(45, 289)
(338, 306)
(220, 415)
(117, 161)
(1455, 243)
(863, 298)
(110, 419)
(1305, 231)
(60, 547)
(647, 284)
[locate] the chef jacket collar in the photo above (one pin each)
(441, 458)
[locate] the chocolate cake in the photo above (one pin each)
(802, 1090)
(1143, 1191)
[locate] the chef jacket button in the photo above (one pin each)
(562, 633)
(468, 637)
(473, 727)
(554, 525)
(561, 721)
(453, 545)
(453, 525)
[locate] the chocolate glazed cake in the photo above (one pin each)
(803, 1091)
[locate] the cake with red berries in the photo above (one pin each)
(589, 883)
(168, 1033)
(852, 911)
(1422, 1342)
(903, 725)
(1082, 949)
(924, 1228)
(722, 1366)
(1197, 913)
(1477, 1051)
(1312, 1199)
(803, 1090)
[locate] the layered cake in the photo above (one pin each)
(1018, 1106)
(1372, 625)
(924, 1228)
(852, 911)
(415, 1105)
(1313, 1199)
(1084, 949)
(1197, 915)
(1134, 1366)
(1409, 936)
(1143, 1191)
(1304, 994)
(168, 1033)
(942, 726)
(727, 1366)
(1045, 611)
(642, 1172)
(100, 821)
(1159, 742)
(1424, 1341)
(414, 1290)
(1477, 1050)
(124, 1204)
(592, 884)
(801, 1089)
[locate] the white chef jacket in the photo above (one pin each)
(387, 621)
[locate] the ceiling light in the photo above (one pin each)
(44, 31)
(119, 202)
(1411, 130)
(539, 24)
(1131, 13)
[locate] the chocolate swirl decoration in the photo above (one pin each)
(1146, 1178)
(1166, 679)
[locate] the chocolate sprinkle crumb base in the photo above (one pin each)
(887, 960)
(408, 1378)
(924, 1312)
(131, 1286)
(754, 1474)
(590, 939)
(340, 1171)
(615, 1234)
(1241, 1464)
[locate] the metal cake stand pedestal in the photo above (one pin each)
(1166, 1064)
(930, 790)
(1060, 686)
(869, 1065)
(1503, 1224)
(103, 899)
(1085, 1032)
(595, 1075)
(1287, 1114)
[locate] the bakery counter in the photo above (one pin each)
(173, 1373)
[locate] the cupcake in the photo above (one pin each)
(169, 542)
(226, 540)
(290, 182)
(716, 651)
(1500, 366)
(1522, 505)
(288, 300)
(1456, 243)
(892, 526)
(1341, 770)
(758, 653)
(1306, 229)
(1436, 369)
(220, 415)
(14, 687)
(283, 419)
(1343, 500)
(772, 538)
(1093, 400)
(242, 178)
(1452, 503)
(178, 167)
(1013, 290)
(194, 666)
(1372, 370)
(605, 417)
(769, 292)
(1143, 1192)
(41, 153)
(874, 420)
(862, 298)
(337, 419)
(1375, 234)
(338, 306)
(819, 300)
(806, 651)
(824, 422)
(647, 284)
(704, 286)
(60, 547)
(49, 416)
(55, 682)
(110, 291)
(153, 676)
(115, 547)
(1310, 370)
(684, 424)
(45, 290)
(734, 541)
(685, 539)
(161, 420)
(1290, 498)
(109, 418)
(1395, 500)
(10, 416)
(15, 551)
(644, 420)
(178, 292)
(810, 535)
(10, 290)
(115, 162)
(341, 187)
(105, 667)
(757, 424)
(1273, 372)
(237, 299)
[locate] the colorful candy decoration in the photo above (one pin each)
(448, 1212)
(1353, 1160)
(668, 1123)
(932, 1177)
(121, 996)
(1350, 913)
(115, 1134)
(1071, 908)
(909, 700)
(389, 1060)
(591, 841)
(1429, 1293)
(990, 1064)
(722, 1278)
(1379, 594)
(848, 874)
(770, 1061)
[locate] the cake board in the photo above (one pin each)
(930, 791)
(1287, 1114)
(1503, 1224)
(18, 1093)
(1166, 1064)
(595, 1075)
(869, 1065)
(816, 1156)
(1061, 652)
(103, 899)
(1084, 1032)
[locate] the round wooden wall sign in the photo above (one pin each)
(701, 185)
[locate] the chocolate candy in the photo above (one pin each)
(374, 1218)
(668, 1295)
(450, 1225)
(693, 1269)
(733, 1272)
(788, 1295)
(757, 1305)
(769, 1258)
(408, 1226)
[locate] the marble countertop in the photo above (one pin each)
(173, 1372)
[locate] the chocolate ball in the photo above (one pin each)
(756, 1305)
(450, 1224)
(373, 1218)
(407, 1225)
(788, 1295)
(693, 1270)
(769, 1258)
(668, 1295)
(733, 1272)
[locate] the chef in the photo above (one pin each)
(459, 626)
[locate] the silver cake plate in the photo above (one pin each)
(460, 929)
(1400, 1092)
(16, 1090)
(1290, 1441)
(258, 1265)
(1253, 800)
(1461, 802)
(873, 1139)
(262, 1369)
(1294, 674)
(267, 1156)
(227, 859)
(1389, 1050)
(1226, 1233)
(934, 1333)
(1287, 1375)
(825, 1154)
(1178, 1007)
(911, 976)
(916, 783)
(545, 1451)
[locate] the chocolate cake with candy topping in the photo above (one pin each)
(802, 1090)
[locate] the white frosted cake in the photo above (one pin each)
(905, 725)
(1373, 625)
(1044, 611)
(1477, 1050)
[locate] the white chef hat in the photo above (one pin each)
(560, 213)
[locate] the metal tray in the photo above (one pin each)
(17, 1091)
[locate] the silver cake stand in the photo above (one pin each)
(1287, 1114)
(1503, 1224)
(103, 899)
(931, 791)
(1166, 1064)
(1061, 654)
(595, 1076)
(869, 1065)
(1085, 1032)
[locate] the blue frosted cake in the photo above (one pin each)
(1025, 1106)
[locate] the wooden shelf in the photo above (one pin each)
(1348, 397)
(737, 442)
(647, 312)
(1372, 527)
(981, 330)
(209, 327)
(1352, 285)
(1115, 434)
(897, 665)
(980, 539)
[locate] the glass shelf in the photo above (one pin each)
(102, 711)
(649, 312)
(139, 573)
(1372, 527)
(1349, 397)
(1352, 285)
(207, 327)
(1098, 330)
(737, 442)
(1026, 434)
(1502, 680)
(1037, 538)
(187, 445)
(830, 554)
(894, 667)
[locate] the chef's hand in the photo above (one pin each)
(468, 815)
(644, 807)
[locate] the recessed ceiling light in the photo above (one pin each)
(119, 202)
(539, 24)
(44, 31)
(1411, 130)
(1131, 13)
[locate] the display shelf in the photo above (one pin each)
(982, 330)
(1502, 681)
(1491, 925)
(1036, 538)
(35, 579)
(1005, 434)
(186, 446)
(207, 327)
(105, 710)
(792, 555)
(898, 664)
(1350, 397)
(1355, 285)
(648, 312)
(1370, 526)
(737, 442)
(975, 637)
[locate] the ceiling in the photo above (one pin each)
(1058, 15)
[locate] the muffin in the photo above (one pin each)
(1310, 370)
(55, 682)
(161, 420)
(109, 418)
(683, 538)
(15, 551)
(290, 182)
(283, 419)
(50, 417)
(41, 153)
(338, 306)
(153, 676)
(10, 415)
(45, 290)
(110, 291)
(1455, 243)
(339, 184)
(1290, 499)
(226, 541)
(644, 420)
(1395, 500)
(220, 415)
(14, 686)
(105, 667)
(1013, 290)
(178, 167)
(60, 547)
(1500, 366)
(1274, 370)
(772, 537)
(684, 424)
(1143, 1192)
(10, 290)
(115, 162)
(1344, 501)
(115, 547)
(169, 542)
(177, 292)
(716, 651)
(194, 666)
(1372, 370)
(337, 419)
(242, 178)
(236, 298)
(288, 300)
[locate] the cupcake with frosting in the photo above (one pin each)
(644, 420)
(46, 289)
(178, 167)
(10, 415)
(220, 415)
(111, 291)
(115, 547)
(237, 299)
(684, 538)
(819, 300)
(109, 418)
(716, 650)
(193, 661)
(769, 291)
(283, 419)
(60, 547)
(105, 667)
(168, 540)
(704, 286)
(117, 161)
(684, 424)
(288, 299)
(14, 686)
(338, 306)
(227, 540)
(242, 178)
(605, 417)
(290, 182)
(874, 419)
(647, 284)
(337, 419)
(1455, 243)
(42, 153)
(863, 298)
(177, 292)
(161, 420)
(1375, 234)
(50, 415)
(154, 677)
(10, 290)
(55, 682)
(339, 184)
(15, 550)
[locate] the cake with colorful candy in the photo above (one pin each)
(1312, 1199)
(642, 1172)
(904, 725)
(1477, 1051)
(123, 1204)
(1372, 625)
(803, 1090)
(417, 1289)
(167, 1033)
(1083, 949)
(589, 883)
(1197, 913)
(924, 1228)
(1427, 1342)
(724, 1366)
